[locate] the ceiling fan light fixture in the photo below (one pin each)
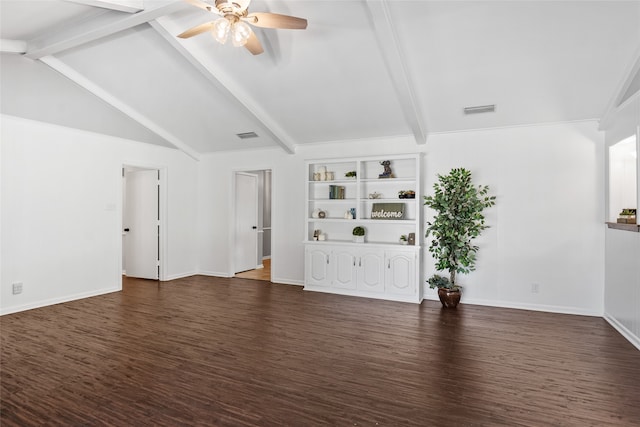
(240, 33)
(221, 29)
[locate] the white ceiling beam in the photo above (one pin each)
(13, 46)
(397, 67)
(226, 85)
(102, 25)
(129, 6)
(131, 112)
(631, 70)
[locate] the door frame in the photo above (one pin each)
(232, 219)
(163, 207)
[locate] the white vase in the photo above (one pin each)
(358, 239)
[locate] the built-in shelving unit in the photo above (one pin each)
(384, 266)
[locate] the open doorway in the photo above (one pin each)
(141, 223)
(252, 242)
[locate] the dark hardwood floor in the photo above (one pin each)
(233, 352)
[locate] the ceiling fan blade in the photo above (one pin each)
(274, 20)
(199, 29)
(201, 5)
(253, 44)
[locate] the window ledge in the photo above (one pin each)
(625, 227)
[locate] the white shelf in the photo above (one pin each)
(388, 200)
(389, 180)
(406, 168)
(334, 200)
(336, 181)
(380, 267)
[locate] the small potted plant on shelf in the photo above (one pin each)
(403, 239)
(627, 216)
(458, 220)
(350, 174)
(358, 234)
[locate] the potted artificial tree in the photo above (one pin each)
(358, 234)
(457, 221)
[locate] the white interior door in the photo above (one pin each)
(246, 241)
(143, 225)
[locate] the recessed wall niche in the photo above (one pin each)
(623, 173)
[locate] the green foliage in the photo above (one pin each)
(437, 281)
(350, 174)
(358, 231)
(458, 220)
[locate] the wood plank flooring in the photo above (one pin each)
(263, 273)
(231, 352)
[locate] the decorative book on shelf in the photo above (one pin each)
(336, 192)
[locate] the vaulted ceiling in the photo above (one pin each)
(362, 68)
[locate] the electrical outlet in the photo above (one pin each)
(17, 288)
(535, 288)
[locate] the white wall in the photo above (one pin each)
(288, 210)
(61, 195)
(622, 258)
(61, 219)
(547, 227)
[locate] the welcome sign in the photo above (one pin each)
(387, 211)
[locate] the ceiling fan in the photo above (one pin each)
(234, 17)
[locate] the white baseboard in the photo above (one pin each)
(59, 300)
(179, 276)
(287, 281)
(521, 306)
(630, 336)
(214, 274)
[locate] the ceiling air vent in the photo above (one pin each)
(247, 135)
(480, 109)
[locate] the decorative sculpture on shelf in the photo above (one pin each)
(387, 169)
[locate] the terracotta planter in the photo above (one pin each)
(448, 297)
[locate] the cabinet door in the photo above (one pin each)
(400, 273)
(344, 262)
(317, 271)
(371, 271)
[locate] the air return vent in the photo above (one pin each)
(247, 135)
(480, 109)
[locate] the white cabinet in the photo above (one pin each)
(399, 275)
(355, 268)
(317, 269)
(373, 271)
(342, 194)
(345, 267)
(370, 276)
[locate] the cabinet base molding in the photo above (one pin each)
(355, 293)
